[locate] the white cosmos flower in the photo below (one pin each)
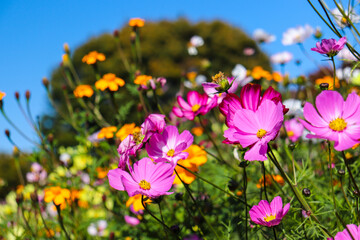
(346, 54)
(281, 57)
(341, 21)
(294, 106)
(297, 35)
(97, 229)
(196, 41)
(261, 36)
(347, 75)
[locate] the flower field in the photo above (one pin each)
(247, 154)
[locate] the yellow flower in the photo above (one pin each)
(2, 95)
(93, 57)
(197, 157)
(57, 194)
(136, 22)
(127, 129)
(329, 80)
(83, 91)
(135, 201)
(197, 131)
(142, 79)
(107, 132)
(109, 81)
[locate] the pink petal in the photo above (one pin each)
(312, 116)
(329, 104)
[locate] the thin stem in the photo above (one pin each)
(26, 221)
(197, 206)
(349, 170)
(334, 72)
(212, 184)
(344, 225)
(61, 221)
(274, 230)
(331, 176)
(43, 220)
(264, 180)
(162, 219)
(143, 103)
(246, 212)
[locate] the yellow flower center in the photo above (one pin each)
(344, 21)
(138, 137)
(195, 107)
(290, 133)
(218, 77)
(144, 185)
(170, 153)
(338, 124)
(270, 217)
(261, 133)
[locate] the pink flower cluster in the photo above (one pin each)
(164, 145)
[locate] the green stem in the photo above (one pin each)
(159, 106)
(162, 219)
(274, 230)
(331, 176)
(197, 206)
(334, 72)
(246, 212)
(61, 221)
(349, 170)
(26, 221)
(264, 180)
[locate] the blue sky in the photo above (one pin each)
(33, 33)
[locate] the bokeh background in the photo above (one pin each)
(33, 34)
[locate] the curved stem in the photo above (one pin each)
(349, 170)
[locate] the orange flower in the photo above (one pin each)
(127, 129)
(269, 180)
(191, 76)
(83, 91)
(197, 157)
(57, 194)
(102, 172)
(135, 201)
(107, 132)
(2, 95)
(197, 131)
(136, 22)
(277, 77)
(93, 57)
(142, 79)
(329, 80)
(109, 81)
(258, 72)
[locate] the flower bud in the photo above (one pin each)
(179, 196)
(65, 60)
(233, 185)
(112, 236)
(341, 172)
(116, 33)
(19, 198)
(50, 138)
(17, 95)
(66, 48)
(244, 164)
(27, 95)
(324, 86)
(306, 192)
(15, 151)
(175, 229)
(34, 197)
(7, 133)
(298, 62)
(45, 82)
(318, 34)
(356, 193)
(157, 200)
(132, 37)
(104, 198)
(292, 146)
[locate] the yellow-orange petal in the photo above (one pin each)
(101, 85)
(2, 95)
(59, 199)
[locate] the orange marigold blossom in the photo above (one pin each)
(127, 129)
(76, 197)
(107, 132)
(109, 81)
(2, 95)
(277, 77)
(197, 157)
(269, 180)
(135, 201)
(83, 91)
(93, 57)
(197, 131)
(329, 80)
(258, 72)
(57, 194)
(136, 22)
(191, 76)
(102, 172)
(142, 80)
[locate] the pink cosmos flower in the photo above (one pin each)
(132, 221)
(269, 214)
(146, 178)
(294, 129)
(344, 235)
(197, 104)
(38, 174)
(154, 123)
(335, 119)
(169, 146)
(255, 129)
(250, 98)
(330, 47)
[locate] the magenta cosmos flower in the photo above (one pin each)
(294, 129)
(344, 235)
(132, 221)
(255, 129)
(196, 104)
(335, 119)
(269, 214)
(146, 178)
(250, 98)
(170, 145)
(330, 47)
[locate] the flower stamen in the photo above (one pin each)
(338, 124)
(144, 185)
(261, 133)
(170, 153)
(195, 107)
(270, 217)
